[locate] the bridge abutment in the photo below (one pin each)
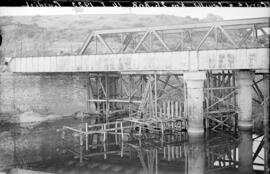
(244, 81)
(195, 97)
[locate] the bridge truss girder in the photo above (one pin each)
(247, 33)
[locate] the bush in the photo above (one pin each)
(138, 25)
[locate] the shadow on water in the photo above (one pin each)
(42, 148)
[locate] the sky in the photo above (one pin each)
(199, 12)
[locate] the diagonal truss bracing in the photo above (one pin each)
(252, 33)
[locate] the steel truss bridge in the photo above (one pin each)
(233, 44)
(135, 70)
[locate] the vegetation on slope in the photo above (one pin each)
(49, 35)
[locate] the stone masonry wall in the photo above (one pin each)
(44, 93)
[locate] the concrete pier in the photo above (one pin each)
(195, 97)
(244, 83)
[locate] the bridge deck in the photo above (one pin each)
(255, 58)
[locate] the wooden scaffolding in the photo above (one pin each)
(220, 101)
(156, 99)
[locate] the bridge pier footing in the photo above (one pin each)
(195, 97)
(244, 80)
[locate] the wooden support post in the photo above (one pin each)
(107, 97)
(86, 136)
(156, 160)
(97, 88)
(105, 150)
(173, 152)
(164, 115)
(168, 110)
(177, 114)
(207, 100)
(180, 151)
(169, 152)
(121, 89)
(81, 137)
(234, 155)
(140, 130)
(266, 134)
(148, 154)
(162, 129)
(186, 160)
(185, 100)
(81, 154)
(88, 94)
(122, 148)
(177, 152)
(234, 102)
(172, 110)
(129, 95)
(115, 131)
(164, 152)
(151, 103)
(122, 131)
(104, 133)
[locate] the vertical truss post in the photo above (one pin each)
(96, 46)
(150, 42)
(182, 40)
(122, 41)
(255, 35)
(190, 37)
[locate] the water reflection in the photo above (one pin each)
(196, 154)
(245, 152)
(44, 149)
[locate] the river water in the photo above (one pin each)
(43, 147)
